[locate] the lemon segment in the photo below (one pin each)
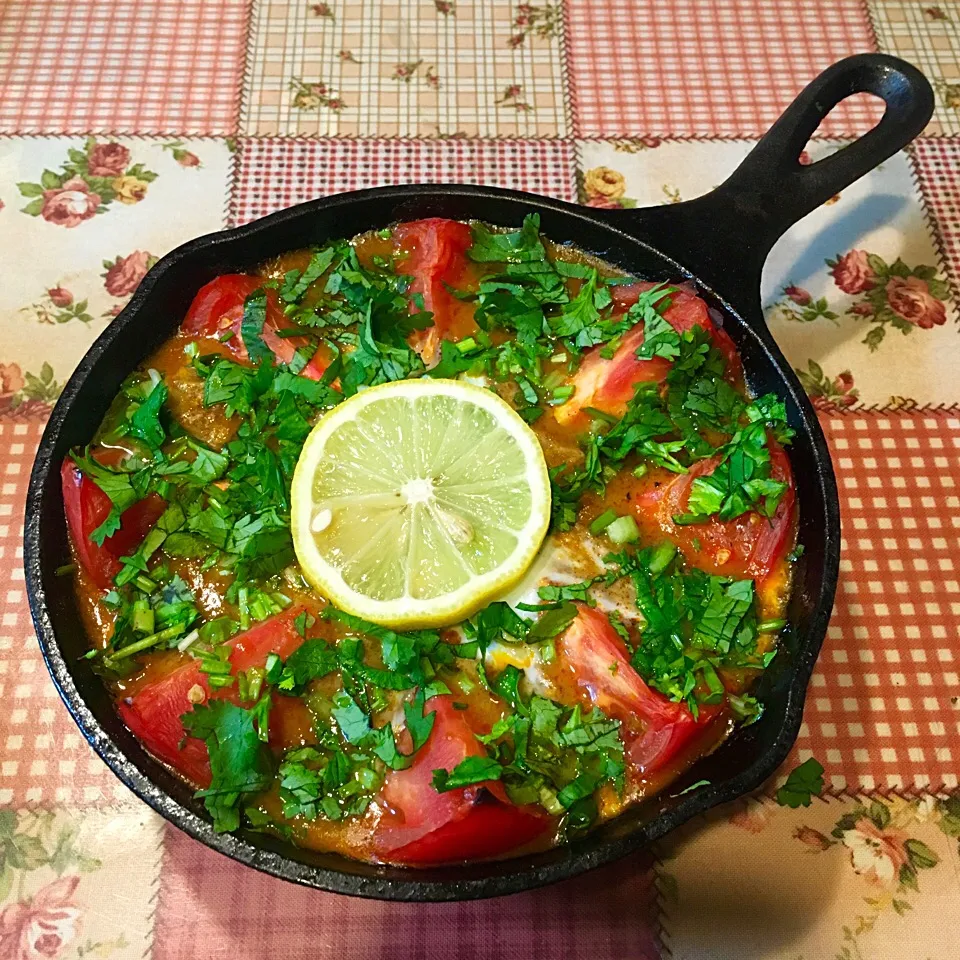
(415, 502)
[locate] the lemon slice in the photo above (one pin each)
(415, 502)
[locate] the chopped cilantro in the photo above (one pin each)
(803, 783)
(518, 246)
(251, 327)
(239, 761)
(467, 772)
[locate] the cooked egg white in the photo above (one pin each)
(558, 563)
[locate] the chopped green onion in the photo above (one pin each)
(466, 345)
(768, 626)
(661, 557)
(561, 395)
(255, 677)
(603, 521)
(64, 570)
(138, 646)
(641, 471)
(385, 234)
(142, 619)
(623, 530)
(244, 608)
(214, 666)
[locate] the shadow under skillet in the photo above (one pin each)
(741, 899)
(844, 234)
(211, 907)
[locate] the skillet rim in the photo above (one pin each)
(583, 855)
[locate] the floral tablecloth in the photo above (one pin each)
(129, 127)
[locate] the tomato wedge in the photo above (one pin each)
(153, 713)
(218, 309)
(654, 729)
(430, 827)
(749, 546)
(434, 253)
(608, 385)
(86, 507)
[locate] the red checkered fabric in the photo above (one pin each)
(45, 758)
(172, 68)
(275, 173)
(938, 165)
(212, 908)
(883, 710)
(708, 67)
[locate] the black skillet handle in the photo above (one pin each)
(725, 236)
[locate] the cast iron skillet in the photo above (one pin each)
(720, 241)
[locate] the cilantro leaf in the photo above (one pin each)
(117, 485)
(239, 761)
(803, 783)
(251, 327)
(354, 724)
(467, 772)
(659, 339)
(490, 246)
(145, 423)
(319, 262)
(311, 660)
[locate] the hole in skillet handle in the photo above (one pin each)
(771, 190)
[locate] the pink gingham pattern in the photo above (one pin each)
(277, 173)
(718, 67)
(122, 67)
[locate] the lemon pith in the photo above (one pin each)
(415, 502)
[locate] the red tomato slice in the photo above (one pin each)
(431, 827)
(489, 829)
(153, 713)
(218, 308)
(654, 729)
(217, 301)
(434, 253)
(748, 546)
(608, 385)
(86, 507)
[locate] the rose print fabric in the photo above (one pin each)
(127, 129)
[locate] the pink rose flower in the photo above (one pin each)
(186, 159)
(70, 204)
(844, 381)
(798, 295)
(11, 379)
(108, 160)
(41, 926)
(852, 273)
(876, 854)
(812, 838)
(603, 203)
(752, 816)
(126, 273)
(910, 298)
(864, 309)
(59, 296)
